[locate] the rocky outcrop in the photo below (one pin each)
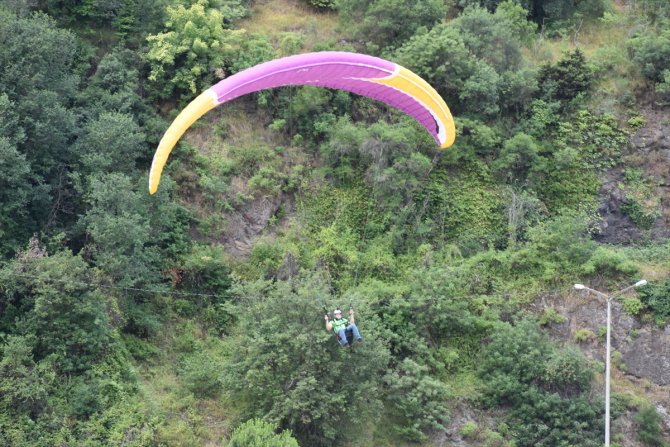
(247, 224)
(649, 151)
(645, 349)
(648, 355)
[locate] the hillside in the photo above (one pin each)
(195, 316)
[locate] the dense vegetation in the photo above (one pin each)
(129, 319)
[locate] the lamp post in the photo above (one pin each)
(608, 298)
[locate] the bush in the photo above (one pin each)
(545, 387)
(583, 335)
(184, 57)
(201, 375)
(650, 427)
(418, 400)
(385, 23)
(282, 363)
(469, 430)
(657, 299)
(651, 52)
(570, 77)
(632, 306)
(258, 433)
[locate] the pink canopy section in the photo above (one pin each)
(357, 73)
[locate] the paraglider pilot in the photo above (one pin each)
(340, 326)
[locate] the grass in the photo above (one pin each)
(183, 419)
(276, 17)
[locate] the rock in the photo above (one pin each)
(648, 356)
(247, 225)
(663, 412)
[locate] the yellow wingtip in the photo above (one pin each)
(412, 84)
(198, 107)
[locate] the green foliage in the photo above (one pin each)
(550, 316)
(606, 262)
(417, 399)
(474, 73)
(649, 427)
(466, 207)
(111, 143)
(469, 430)
(548, 11)
(632, 306)
(250, 50)
(544, 387)
(120, 231)
(201, 375)
(323, 4)
(582, 146)
(568, 79)
(642, 205)
(433, 254)
(584, 335)
(49, 298)
(387, 23)
(205, 270)
(651, 53)
(185, 56)
(232, 10)
(518, 158)
(286, 367)
(15, 191)
(657, 298)
(557, 247)
(39, 74)
(258, 433)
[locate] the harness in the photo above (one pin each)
(340, 323)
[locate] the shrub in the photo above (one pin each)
(649, 424)
(544, 386)
(657, 299)
(469, 430)
(583, 335)
(550, 316)
(258, 433)
(202, 375)
(632, 306)
(570, 77)
(418, 400)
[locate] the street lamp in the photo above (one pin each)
(608, 298)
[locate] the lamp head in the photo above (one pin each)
(580, 286)
(641, 282)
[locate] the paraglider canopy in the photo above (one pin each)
(358, 73)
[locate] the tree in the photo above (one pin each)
(185, 57)
(291, 372)
(519, 157)
(650, 427)
(651, 53)
(418, 400)
(388, 23)
(15, 192)
(258, 433)
(474, 61)
(111, 143)
(441, 57)
(570, 77)
(493, 38)
(549, 11)
(39, 74)
(51, 300)
(131, 239)
(545, 388)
